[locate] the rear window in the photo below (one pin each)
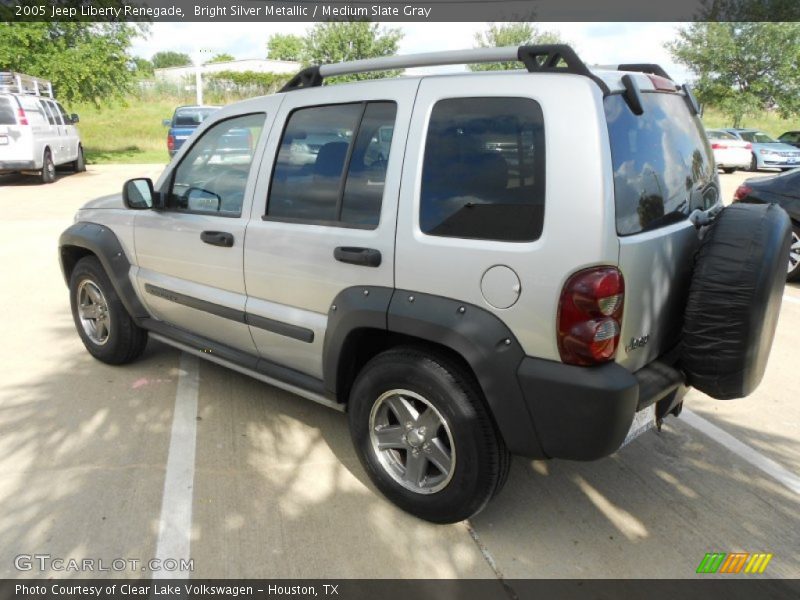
(191, 117)
(483, 172)
(7, 112)
(663, 166)
(720, 135)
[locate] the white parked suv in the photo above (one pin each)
(530, 262)
(36, 133)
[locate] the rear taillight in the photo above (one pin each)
(170, 142)
(749, 146)
(718, 146)
(741, 193)
(21, 116)
(590, 316)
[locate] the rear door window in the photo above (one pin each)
(331, 165)
(483, 171)
(8, 116)
(663, 165)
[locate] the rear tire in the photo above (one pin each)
(753, 164)
(728, 170)
(424, 435)
(48, 168)
(793, 273)
(103, 324)
(79, 164)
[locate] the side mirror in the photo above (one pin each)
(138, 194)
(74, 118)
(167, 122)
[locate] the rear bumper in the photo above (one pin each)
(584, 413)
(17, 165)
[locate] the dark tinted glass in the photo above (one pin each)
(7, 112)
(308, 172)
(363, 193)
(663, 166)
(483, 172)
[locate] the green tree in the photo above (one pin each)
(87, 62)
(142, 67)
(163, 60)
(342, 41)
(221, 57)
(285, 47)
(743, 68)
(511, 34)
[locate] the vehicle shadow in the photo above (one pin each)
(279, 492)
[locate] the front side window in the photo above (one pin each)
(64, 116)
(212, 176)
(483, 171)
(331, 165)
(50, 113)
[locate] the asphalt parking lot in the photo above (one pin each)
(275, 489)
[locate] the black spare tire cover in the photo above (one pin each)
(734, 299)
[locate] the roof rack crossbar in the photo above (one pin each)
(549, 58)
(647, 68)
(18, 83)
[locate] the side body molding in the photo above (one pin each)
(474, 333)
(102, 242)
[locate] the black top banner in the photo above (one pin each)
(398, 10)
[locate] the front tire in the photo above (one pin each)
(48, 168)
(103, 324)
(79, 164)
(424, 435)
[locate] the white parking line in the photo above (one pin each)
(758, 460)
(791, 298)
(174, 541)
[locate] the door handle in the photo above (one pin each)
(217, 238)
(366, 257)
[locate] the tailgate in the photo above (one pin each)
(657, 267)
(663, 170)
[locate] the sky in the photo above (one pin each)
(595, 43)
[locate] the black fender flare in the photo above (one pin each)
(103, 243)
(478, 336)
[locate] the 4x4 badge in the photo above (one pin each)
(637, 342)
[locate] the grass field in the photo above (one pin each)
(125, 133)
(133, 133)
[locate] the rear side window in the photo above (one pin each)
(331, 165)
(483, 171)
(663, 166)
(8, 116)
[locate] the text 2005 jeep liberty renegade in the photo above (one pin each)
(530, 262)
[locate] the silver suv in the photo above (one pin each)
(470, 265)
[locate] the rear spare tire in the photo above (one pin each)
(734, 299)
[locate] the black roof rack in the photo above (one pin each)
(649, 68)
(547, 58)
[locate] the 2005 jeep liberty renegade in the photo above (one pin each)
(530, 262)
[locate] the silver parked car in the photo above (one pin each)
(36, 133)
(768, 153)
(420, 254)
